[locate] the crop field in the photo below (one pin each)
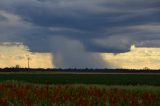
(73, 89)
(20, 94)
(72, 78)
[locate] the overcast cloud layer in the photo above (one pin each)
(95, 25)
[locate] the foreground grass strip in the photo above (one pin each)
(19, 94)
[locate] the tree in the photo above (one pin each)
(17, 66)
(146, 68)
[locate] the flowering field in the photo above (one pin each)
(19, 94)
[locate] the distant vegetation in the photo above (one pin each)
(18, 69)
(82, 76)
(74, 78)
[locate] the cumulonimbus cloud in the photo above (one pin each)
(69, 53)
(100, 26)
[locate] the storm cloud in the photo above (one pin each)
(97, 26)
(71, 54)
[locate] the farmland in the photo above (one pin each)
(79, 89)
(74, 78)
(20, 94)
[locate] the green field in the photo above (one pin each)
(69, 78)
(75, 89)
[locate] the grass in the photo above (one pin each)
(71, 89)
(26, 94)
(101, 79)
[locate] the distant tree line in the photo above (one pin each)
(18, 69)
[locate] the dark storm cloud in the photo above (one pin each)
(2, 18)
(71, 54)
(99, 25)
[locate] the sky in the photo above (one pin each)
(17, 54)
(83, 33)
